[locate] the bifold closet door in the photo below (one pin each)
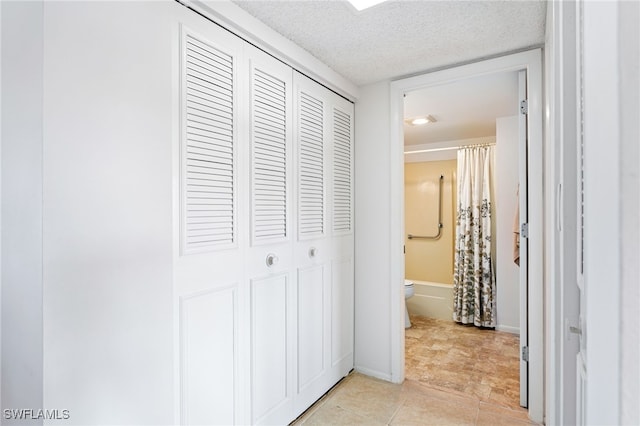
(312, 254)
(208, 266)
(323, 141)
(263, 258)
(341, 246)
(270, 257)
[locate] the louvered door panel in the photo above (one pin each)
(342, 171)
(208, 152)
(269, 263)
(209, 286)
(269, 148)
(310, 166)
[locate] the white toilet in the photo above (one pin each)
(408, 292)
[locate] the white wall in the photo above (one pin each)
(629, 34)
(605, 211)
(612, 224)
(107, 202)
(372, 241)
(506, 179)
(22, 205)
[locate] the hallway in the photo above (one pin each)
(460, 375)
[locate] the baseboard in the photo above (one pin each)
(373, 373)
(508, 329)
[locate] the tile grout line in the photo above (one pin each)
(397, 410)
(477, 415)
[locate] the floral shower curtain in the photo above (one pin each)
(474, 284)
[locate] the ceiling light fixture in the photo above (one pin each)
(419, 121)
(364, 4)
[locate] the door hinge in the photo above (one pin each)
(524, 107)
(524, 230)
(525, 353)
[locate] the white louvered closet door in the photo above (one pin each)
(323, 141)
(263, 258)
(208, 280)
(341, 119)
(270, 260)
(312, 255)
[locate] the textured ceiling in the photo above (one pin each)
(400, 38)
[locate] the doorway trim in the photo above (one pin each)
(531, 61)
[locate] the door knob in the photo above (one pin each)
(272, 259)
(312, 252)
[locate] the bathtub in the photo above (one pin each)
(434, 300)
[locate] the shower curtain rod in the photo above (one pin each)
(449, 148)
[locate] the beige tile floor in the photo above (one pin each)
(480, 363)
(465, 386)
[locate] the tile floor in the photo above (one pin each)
(455, 375)
(480, 363)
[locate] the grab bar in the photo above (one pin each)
(439, 234)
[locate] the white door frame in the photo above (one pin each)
(561, 183)
(523, 209)
(531, 61)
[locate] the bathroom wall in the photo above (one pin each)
(506, 186)
(429, 260)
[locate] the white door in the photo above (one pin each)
(341, 243)
(272, 279)
(323, 151)
(208, 276)
(312, 256)
(523, 208)
(264, 234)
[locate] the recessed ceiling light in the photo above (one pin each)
(364, 4)
(419, 121)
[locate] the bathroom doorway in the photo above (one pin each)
(476, 112)
(479, 114)
(530, 62)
